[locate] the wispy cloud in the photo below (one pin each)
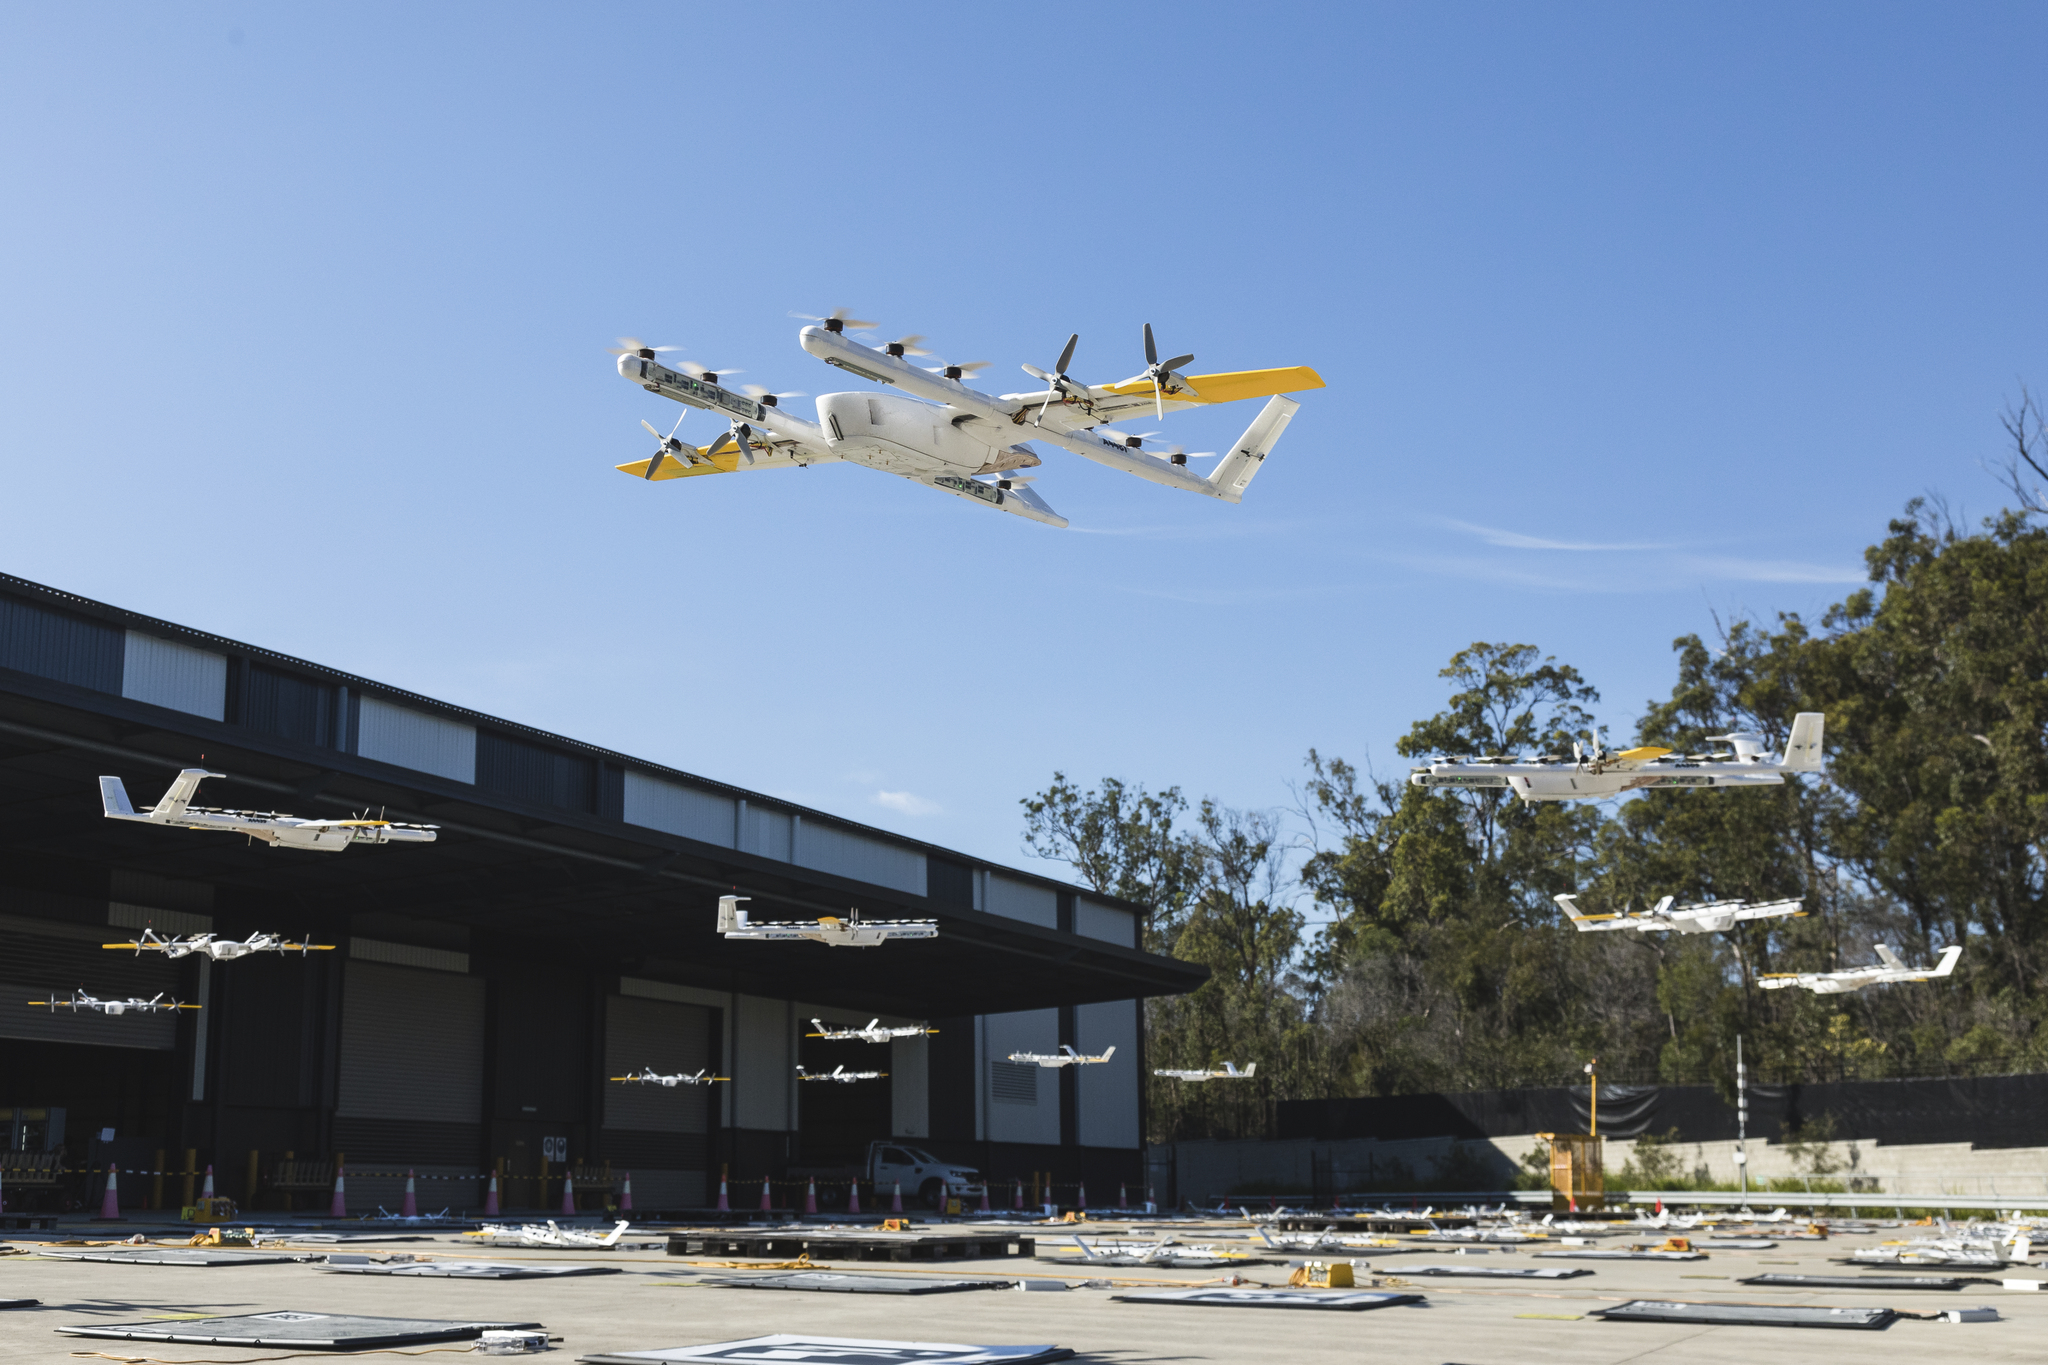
(903, 803)
(1515, 540)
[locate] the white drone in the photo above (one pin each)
(78, 1000)
(548, 1234)
(873, 1033)
(839, 1074)
(852, 932)
(1708, 917)
(1066, 1056)
(953, 438)
(1228, 1073)
(1591, 777)
(1856, 978)
(647, 1075)
(219, 949)
(279, 831)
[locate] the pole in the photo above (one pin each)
(1742, 1120)
(1593, 1112)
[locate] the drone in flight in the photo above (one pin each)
(852, 932)
(78, 1001)
(1228, 1073)
(279, 831)
(1066, 1056)
(1890, 969)
(959, 440)
(219, 949)
(1708, 917)
(647, 1075)
(839, 1074)
(873, 1033)
(1592, 776)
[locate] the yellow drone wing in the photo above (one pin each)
(1226, 387)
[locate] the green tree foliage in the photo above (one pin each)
(1441, 962)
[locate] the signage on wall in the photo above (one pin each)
(554, 1149)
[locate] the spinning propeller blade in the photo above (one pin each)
(1159, 374)
(1057, 379)
(838, 320)
(634, 345)
(669, 443)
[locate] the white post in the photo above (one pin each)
(1742, 1122)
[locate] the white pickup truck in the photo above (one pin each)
(923, 1176)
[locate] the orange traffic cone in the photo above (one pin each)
(984, 1196)
(1017, 1202)
(1081, 1197)
(338, 1206)
(1122, 1198)
(811, 1196)
(110, 1202)
(765, 1205)
(853, 1197)
(568, 1196)
(896, 1199)
(723, 1207)
(626, 1195)
(411, 1207)
(491, 1197)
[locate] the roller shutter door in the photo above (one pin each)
(412, 1045)
(668, 1037)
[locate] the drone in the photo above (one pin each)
(1228, 1073)
(647, 1075)
(279, 831)
(78, 1000)
(839, 1074)
(1890, 969)
(219, 949)
(958, 440)
(1066, 1056)
(873, 1033)
(1595, 775)
(1708, 917)
(852, 932)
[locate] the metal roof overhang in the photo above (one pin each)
(522, 880)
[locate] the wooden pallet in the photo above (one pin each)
(786, 1244)
(28, 1221)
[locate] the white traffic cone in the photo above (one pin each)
(206, 1190)
(110, 1202)
(491, 1197)
(626, 1195)
(338, 1206)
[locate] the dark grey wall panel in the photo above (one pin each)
(277, 703)
(528, 772)
(412, 1044)
(52, 644)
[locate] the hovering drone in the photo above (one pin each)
(1066, 1056)
(1708, 917)
(78, 1000)
(839, 1074)
(873, 1033)
(1228, 1073)
(647, 1075)
(953, 438)
(853, 932)
(1591, 777)
(1856, 978)
(279, 831)
(219, 949)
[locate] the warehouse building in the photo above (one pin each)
(480, 989)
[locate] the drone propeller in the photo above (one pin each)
(838, 320)
(761, 395)
(669, 444)
(1136, 442)
(1162, 375)
(1180, 455)
(910, 345)
(738, 437)
(1057, 379)
(1007, 481)
(965, 370)
(635, 346)
(703, 372)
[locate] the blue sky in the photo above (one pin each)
(1630, 315)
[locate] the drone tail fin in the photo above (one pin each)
(1230, 477)
(732, 919)
(1948, 960)
(182, 790)
(1802, 746)
(114, 797)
